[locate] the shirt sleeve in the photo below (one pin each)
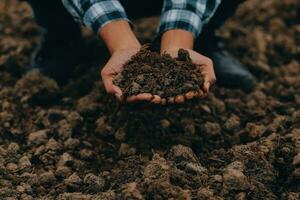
(188, 15)
(95, 13)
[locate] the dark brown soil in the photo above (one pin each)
(76, 142)
(150, 72)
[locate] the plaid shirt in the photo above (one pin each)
(189, 15)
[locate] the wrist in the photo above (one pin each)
(173, 40)
(118, 35)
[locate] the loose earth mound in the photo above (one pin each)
(77, 142)
(150, 72)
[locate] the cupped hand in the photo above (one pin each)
(205, 66)
(113, 68)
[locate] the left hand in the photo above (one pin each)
(172, 41)
(205, 65)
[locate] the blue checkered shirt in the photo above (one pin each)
(188, 15)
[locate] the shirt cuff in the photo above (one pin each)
(101, 13)
(180, 19)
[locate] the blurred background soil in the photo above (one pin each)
(76, 142)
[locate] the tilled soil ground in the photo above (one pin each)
(76, 142)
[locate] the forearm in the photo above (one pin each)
(176, 39)
(118, 35)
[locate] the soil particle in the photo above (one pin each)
(31, 179)
(86, 154)
(205, 193)
(12, 149)
(71, 143)
(234, 178)
(47, 178)
(130, 191)
(211, 129)
(87, 105)
(255, 130)
(296, 160)
(63, 171)
(64, 129)
(149, 72)
(53, 145)
(36, 88)
(165, 123)
(74, 119)
(12, 167)
(126, 150)
(24, 162)
(77, 195)
(38, 137)
(180, 153)
(102, 128)
(65, 160)
(74, 182)
(94, 183)
(120, 135)
(232, 123)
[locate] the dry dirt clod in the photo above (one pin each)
(126, 150)
(31, 179)
(212, 129)
(204, 193)
(74, 182)
(94, 183)
(71, 143)
(296, 160)
(38, 138)
(24, 162)
(234, 178)
(232, 123)
(182, 153)
(86, 154)
(131, 191)
(255, 130)
(74, 119)
(53, 145)
(36, 88)
(65, 160)
(120, 134)
(65, 130)
(12, 149)
(165, 123)
(12, 167)
(47, 178)
(102, 128)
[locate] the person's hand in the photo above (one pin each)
(113, 68)
(205, 66)
(176, 39)
(122, 44)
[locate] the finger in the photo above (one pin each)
(108, 82)
(179, 99)
(163, 101)
(206, 86)
(118, 92)
(170, 100)
(140, 97)
(190, 95)
(156, 99)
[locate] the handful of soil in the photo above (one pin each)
(162, 75)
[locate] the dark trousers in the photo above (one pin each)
(58, 23)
